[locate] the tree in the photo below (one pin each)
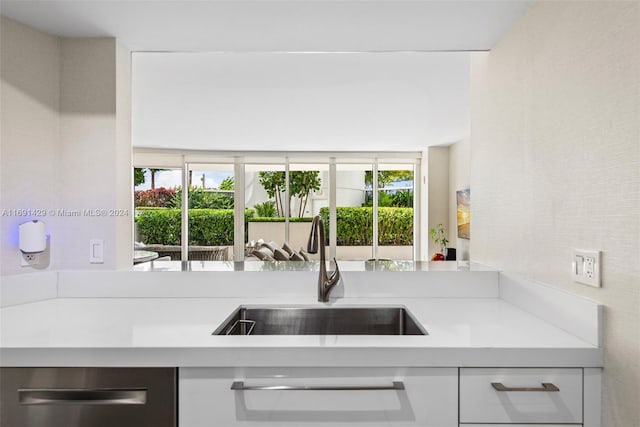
(153, 176)
(273, 183)
(227, 184)
(385, 177)
(138, 176)
(301, 184)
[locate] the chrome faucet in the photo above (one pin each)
(326, 282)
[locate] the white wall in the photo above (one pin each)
(96, 164)
(272, 101)
(66, 144)
(459, 179)
(556, 165)
(438, 202)
(29, 101)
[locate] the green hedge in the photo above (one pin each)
(206, 226)
(355, 226)
(279, 219)
(215, 226)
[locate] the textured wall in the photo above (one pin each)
(95, 170)
(555, 145)
(65, 145)
(459, 179)
(438, 185)
(30, 98)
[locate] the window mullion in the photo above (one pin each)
(333, 211)
(238, 209)
(375, 209)
(287, 200)
(417, 189)
(184, 243)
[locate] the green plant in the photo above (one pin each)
(207, 227)
(159, 226)
(384, 199)
(273, 183)
(280, 219)
(227, 184)
(202, 199)
(355, 225)
(138, 176)
(266, 209)
(402, 198)
(157, 197)
(395, 226)
(301, 184)
(438, 235)
(385, 177)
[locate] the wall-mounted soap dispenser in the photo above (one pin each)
(32, 236)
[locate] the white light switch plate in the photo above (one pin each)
(585, 267)
(96, 251)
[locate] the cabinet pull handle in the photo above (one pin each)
(545, 387)
(82, 396)
(239, 385)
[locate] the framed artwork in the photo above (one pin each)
(464, 215)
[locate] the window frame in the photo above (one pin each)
(184, 159)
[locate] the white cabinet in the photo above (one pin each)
(521, 395)
(318, 396)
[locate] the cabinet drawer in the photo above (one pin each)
(318, 396)
(517, 395)
(81, 397)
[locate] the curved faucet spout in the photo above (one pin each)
(326, 282)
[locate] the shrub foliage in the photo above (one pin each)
(215, 226)
(201, 199)
(280, 219)
(207, 227)
(355, 225)
(157, 197)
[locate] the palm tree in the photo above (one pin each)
(153, 177)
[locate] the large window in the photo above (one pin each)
(354, 219)
(158, 215)
(241, 204)
(211, 211)
(266, 203)
(395, 211)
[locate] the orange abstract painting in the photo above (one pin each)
(464, 215)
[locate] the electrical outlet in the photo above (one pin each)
(586, 267)
(28, 259)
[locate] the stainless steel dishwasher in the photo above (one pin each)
(88, 397)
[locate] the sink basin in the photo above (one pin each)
(361, 320)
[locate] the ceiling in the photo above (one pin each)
(276, 25)
(210, 74)
(299, 101)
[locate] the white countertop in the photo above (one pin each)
(177, 332)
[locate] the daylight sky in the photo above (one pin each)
(173, 178)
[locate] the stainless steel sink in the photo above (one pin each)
(361, 320)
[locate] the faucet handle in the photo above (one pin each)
(336, 273)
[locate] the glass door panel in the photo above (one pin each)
(157, 219)
(395, 211)
(266, 204)
(354, 212)
(211, 218)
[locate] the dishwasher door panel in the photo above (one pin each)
(88, 397)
